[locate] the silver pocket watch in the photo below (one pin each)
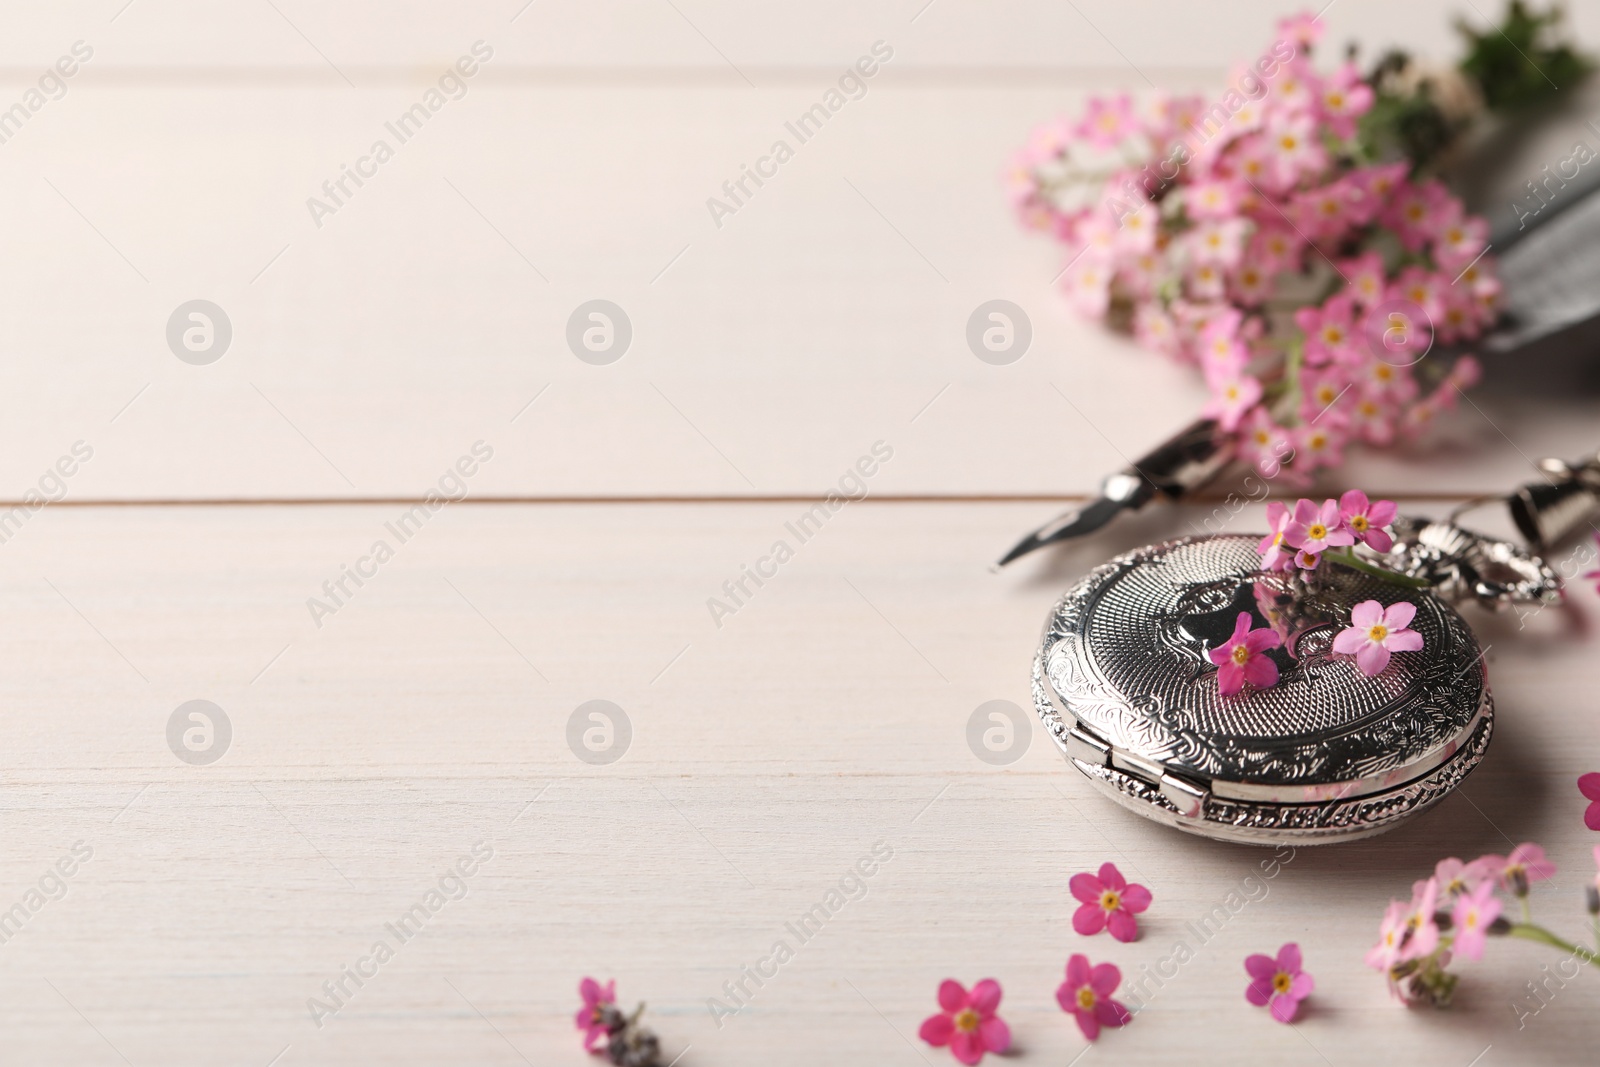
(1123, 683)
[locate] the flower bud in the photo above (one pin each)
(1501, 926)
(1519, 882)
(1591, 894)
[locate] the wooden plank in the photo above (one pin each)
(766, 756)
(431, 310)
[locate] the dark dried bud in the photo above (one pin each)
(1443, 920)
(1501, 926)
(1519, 882)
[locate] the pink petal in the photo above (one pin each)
(1086, 888)
(1123, 926)
(937, 1030)
(1261, 640)
(1289, 958)
(1305, 512)
(1350, 641)
(966, 1047)
(1104, 979)
(1087, 1023)
(1403, 641)
(1220, 656)
(1112, 877)
(1284, 1007)
(1230, 678)
(1591, 816)
(1089, 919)
(1259, 991)
(1382, 513)
(1399, 615)
(985, 997)
(1589, 785)
(1261, 672)
(1302, 986)
(1329, 513)
(1259, 966)
(1276, 514)
(952, 995)
(1241, 626)
(1109, 1012)
(1379, 539)
(1366, 615)
(1136, 898)
(1372, 659)
(589, 990)
(1353, 502)
(1078, 971)
(996, 1035)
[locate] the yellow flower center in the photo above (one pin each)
(966, 1020)
(1110, 900)
(1241, 655)
(1378, 632)
(1471, 919)
(1281, 982)
(1359, 524)
(1086, 998)
(1316, 531)
(1383, 372)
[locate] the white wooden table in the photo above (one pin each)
(429, 711)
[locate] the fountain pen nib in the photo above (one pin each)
(1074, 523)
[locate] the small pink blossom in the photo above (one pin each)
(1276, 555)
(1345, 98)
(1391, 938)
(1471, 918)
(1279, 983)
(1366, 519)
(1321, 443)
(1108, 122)
(1265, 444)
(1421, 930)
(1303, 29)
(1232, 396)
(1315, 529)
(1307, 561)
(1329, 329)
(967, 1021)
(1295, 148)
(1375, 632)
(1457, 879)
(1525, 865)
(596, 998)
(1087, 995)
(1218, 241)
(1367, 280)
(1212, 200)
(1108, 902)
(1589, 786)
(1243, 658)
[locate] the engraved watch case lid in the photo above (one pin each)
(1124, 685)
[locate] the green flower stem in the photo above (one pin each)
(1349, 559)
(1530, 932)
(1292, 362)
